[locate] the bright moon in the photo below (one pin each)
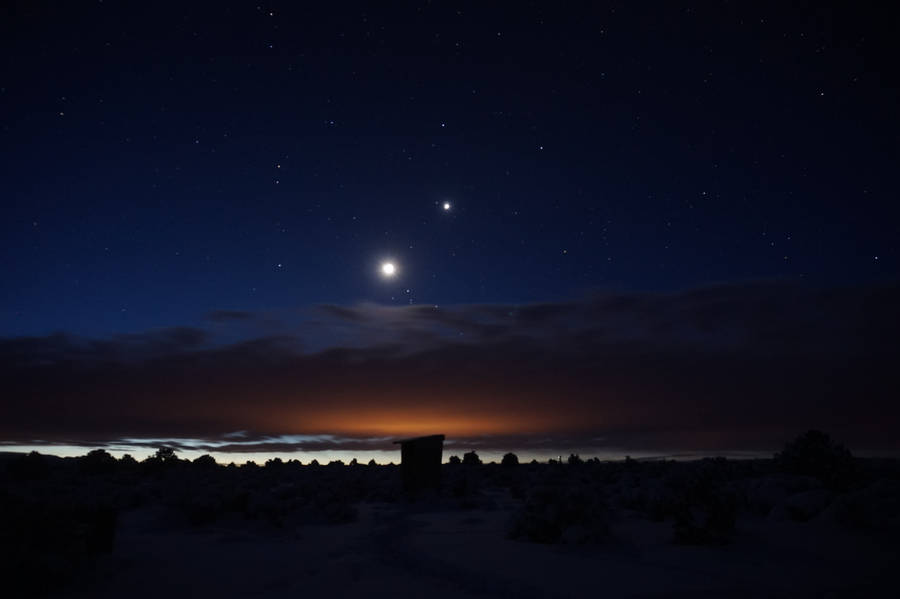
(388, 269)
(446, 205)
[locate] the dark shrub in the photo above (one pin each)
(29, 467)
(574, 459)
(707, 519)
(560, 514)
(875, 507)
(166, 454)
(460, 486)
(454, 459)
(164, 458)
(510, 459)
(44, 544)
(470, 458)
(815, 454)
(808, 504)
(97, 461)
(202, 509)
(128, 461)
(205, 461)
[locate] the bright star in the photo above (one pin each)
(388, 269)
(446, 206)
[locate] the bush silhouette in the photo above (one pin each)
(709, 520)
(45, 543)
(510, 459)
(470, 458)
(454, 459)
(205, 461)
(98, 461)
(29, 467)
(574, 459)
(561, 514)
(164, 456)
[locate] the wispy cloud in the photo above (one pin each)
(738, 360)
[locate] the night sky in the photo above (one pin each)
(656, 226)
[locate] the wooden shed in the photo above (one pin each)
(420, 462)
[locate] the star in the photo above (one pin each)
(388, 269)
(446, 206)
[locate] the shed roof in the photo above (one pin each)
(417, 439)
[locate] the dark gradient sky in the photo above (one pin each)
(196, 201)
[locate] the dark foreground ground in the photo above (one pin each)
(821, 525)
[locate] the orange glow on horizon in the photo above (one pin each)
(432, 419)
(442, 407)
(423, 424)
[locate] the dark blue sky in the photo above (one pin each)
(162, 161)
(671, 227)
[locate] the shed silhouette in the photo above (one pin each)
(420, 462)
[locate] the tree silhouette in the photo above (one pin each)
(29, 467)
(815, 454)
(165, 455)
(510, 459)
(98, 461)
(470, 458)
(205, 461)
(163, 458)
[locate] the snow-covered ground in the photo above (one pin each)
(415, 551)
(711, 528)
